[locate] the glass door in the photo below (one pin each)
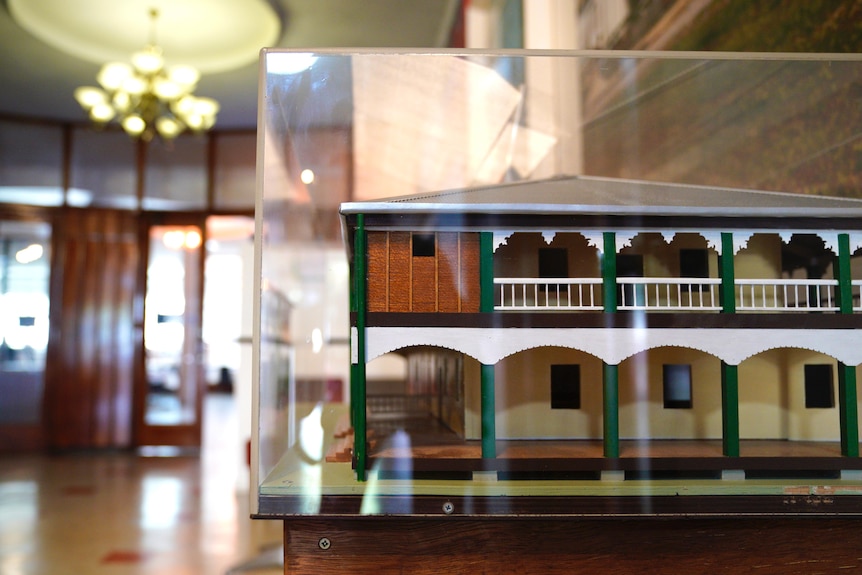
(171, 379)
(24, 277)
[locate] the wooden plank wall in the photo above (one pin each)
(400, 282)
(89, 368)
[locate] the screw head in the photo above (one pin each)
(448, 508)
(324, 543)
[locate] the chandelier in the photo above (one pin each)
(147, 97)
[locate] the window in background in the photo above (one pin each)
(176, 174)
(31, 164)
(235, 166)
(24, 284)
(103, 169)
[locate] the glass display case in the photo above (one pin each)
(557, 284)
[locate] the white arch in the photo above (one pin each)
(614, 345)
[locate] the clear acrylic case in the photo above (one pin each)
(412, 356)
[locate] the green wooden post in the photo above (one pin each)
(357, 398)
(730, 409)
(610, 373)
(729, 373)
(847, 407)
(727, 290)
(847, 410)
(611, 400)
(489, 415)
(609, 273)
(486, 305)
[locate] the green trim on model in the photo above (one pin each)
(360, 255)
(847, 406)
(730, 409)
(727, 292)
(847, 410)
(729, 373)
(489, 413)
(486, 305)
(611, 406)
(486, 272)
(609, 272)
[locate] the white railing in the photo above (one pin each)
(669, 294)
(536, 294)
(857, 295)
(786, 295)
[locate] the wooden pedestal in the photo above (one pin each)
(380, 546)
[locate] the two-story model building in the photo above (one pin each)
(721, 324)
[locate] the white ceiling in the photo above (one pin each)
(38, 80)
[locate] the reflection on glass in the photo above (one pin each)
(170, 325)
(24, 274)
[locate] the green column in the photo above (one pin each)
(611, 419)
(848, 411)
(357, 372)
(609, 273)
(610, 373)
(727, 291)
(730, 409)
(486, 272)
(489, 414)
(486, 305)
(729, 373)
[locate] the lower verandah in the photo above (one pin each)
(421, 445)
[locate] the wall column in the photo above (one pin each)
(486, 305)
(847, 407)
(359, 304)
(729, 373)
(610, 373)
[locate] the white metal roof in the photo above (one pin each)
(610, 196)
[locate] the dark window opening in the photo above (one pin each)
(566, 386)
(423, 245)
(819, 391)
(553, 263)
(694, 263)
(677, 386)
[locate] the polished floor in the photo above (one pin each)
(123, 513)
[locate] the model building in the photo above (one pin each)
(590, 325)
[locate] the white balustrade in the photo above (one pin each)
(786, 295)
(669, 294)
(542, 294)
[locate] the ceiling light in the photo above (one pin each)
(148, 98)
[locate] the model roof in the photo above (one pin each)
(589, 195)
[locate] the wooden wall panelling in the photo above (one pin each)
(88, 380)
(469, 270)
(424, 283)
(378, 271)
(399, 272)
(448, 271)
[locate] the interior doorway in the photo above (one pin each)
(24, 297)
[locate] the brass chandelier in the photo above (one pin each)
(147, 97)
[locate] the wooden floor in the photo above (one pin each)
(431, 447)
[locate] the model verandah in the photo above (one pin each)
(722, 325)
